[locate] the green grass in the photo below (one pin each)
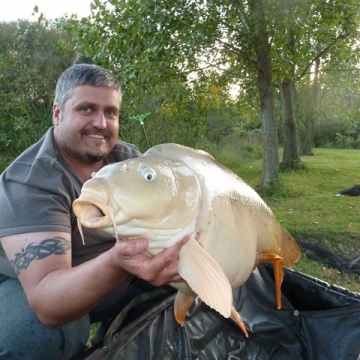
(309, 208)
(328, 274)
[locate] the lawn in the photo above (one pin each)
(309, 208)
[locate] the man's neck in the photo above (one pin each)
(83, 170)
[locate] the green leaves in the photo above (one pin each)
(30, 64)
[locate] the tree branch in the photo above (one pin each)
(243, 18)
(318, 56)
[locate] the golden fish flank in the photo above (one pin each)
(230, 226)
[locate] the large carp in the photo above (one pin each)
(172, 191)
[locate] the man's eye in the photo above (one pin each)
(84, 109)
(111, 113)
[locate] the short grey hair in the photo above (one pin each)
(80, 75)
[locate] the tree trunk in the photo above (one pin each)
(310, 114)
(291, 157)
(270, 160)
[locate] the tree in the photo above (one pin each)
(264, 75)
(154, 41)
(311, 110)
(30, 64)
(306, 34)
(150, 42)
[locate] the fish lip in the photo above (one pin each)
(92, 213)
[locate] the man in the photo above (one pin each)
(51, 285)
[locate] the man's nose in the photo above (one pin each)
(99, 120)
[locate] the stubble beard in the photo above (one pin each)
(73, 150)
(92, 158)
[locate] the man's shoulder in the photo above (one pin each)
(44, 147)
(37, 159)
(123, 151)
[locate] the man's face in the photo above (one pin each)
(87, 128)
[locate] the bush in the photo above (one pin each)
(232, 149)
(335, 133)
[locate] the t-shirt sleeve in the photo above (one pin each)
(34, 198)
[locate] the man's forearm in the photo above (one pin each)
(66, 294)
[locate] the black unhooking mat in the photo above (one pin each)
(317, 322)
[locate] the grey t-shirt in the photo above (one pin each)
(36, 194)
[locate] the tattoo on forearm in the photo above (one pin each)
(54, 246)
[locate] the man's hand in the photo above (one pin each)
(158, 270)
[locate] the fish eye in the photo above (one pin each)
(148, 173)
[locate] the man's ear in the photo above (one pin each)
(56, 115)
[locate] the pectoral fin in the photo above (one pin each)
(205, 277)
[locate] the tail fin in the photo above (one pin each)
(290, 251)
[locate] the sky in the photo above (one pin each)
(11, 10)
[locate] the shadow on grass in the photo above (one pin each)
(340, 251)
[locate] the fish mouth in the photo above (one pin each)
(93, 214)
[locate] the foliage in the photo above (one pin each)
(177, 117)
(154, 44)
(155, 48)
(30, 63)
(304, 31)
(153, 41)
(337, 111)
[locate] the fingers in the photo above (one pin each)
(132, 247)
(158, 270)
(162, 268)
(166, 276)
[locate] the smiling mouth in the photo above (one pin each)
(95, 136)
